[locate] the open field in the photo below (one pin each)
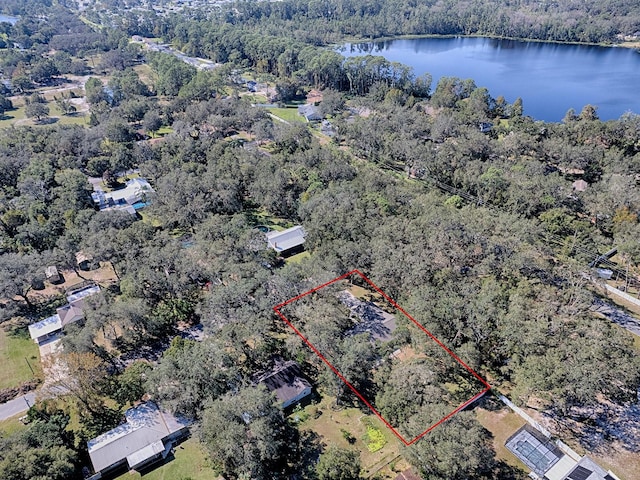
(15, 350)
(17, 117)
(261, 217)
(189, 461)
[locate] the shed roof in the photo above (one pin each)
(580, 185)
(83, 257)
(286, 239)
(82, 293)
(51, 271)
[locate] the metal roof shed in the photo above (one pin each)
(286, 240)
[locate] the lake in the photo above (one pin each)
(550, 77)
(8, 19)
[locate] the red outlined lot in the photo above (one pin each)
(486, 386)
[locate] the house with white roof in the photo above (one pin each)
(130, 198)
(48, 328)
(147, 436)
(287, 242)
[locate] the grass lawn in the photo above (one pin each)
(14, 349)
(12, 116)
(146, 73)
(502, 424)
(287, 114)
(162, 131)
(261, 217)
(299, 257)
(11, 425)
(189, 461)
(255, 98)
(334, 425)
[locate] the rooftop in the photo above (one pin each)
(534, 449)
(70, 313)
(379, 324)
(286, 239)
(146, 425)
(45, 327)
(286, 381)
(587, 469)
(83, 293)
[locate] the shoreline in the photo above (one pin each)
(629, 44)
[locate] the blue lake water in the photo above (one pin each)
(8, 19)
(550, 78)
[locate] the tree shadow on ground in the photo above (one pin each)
(597, 429)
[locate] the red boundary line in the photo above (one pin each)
(277, 308)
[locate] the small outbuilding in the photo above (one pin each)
(579, 185)
(485, 127)
(52, 274)
(287, 242)
(84, 261)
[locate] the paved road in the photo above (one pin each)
(17, 405)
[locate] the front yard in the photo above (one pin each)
(16, 349)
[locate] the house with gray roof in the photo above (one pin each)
(147, 436)
(287, 242)
(288, 383)
(310, 112)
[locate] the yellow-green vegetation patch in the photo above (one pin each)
(374, 438)
(162, 131)
(262, 217)
(347, 427)
(19, 355)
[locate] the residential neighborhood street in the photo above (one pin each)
(17, 405)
